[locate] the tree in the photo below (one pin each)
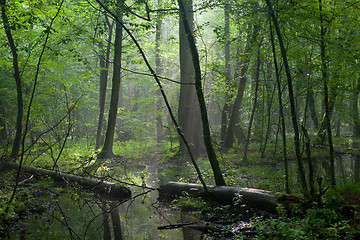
(20, 104)
(256, 79)
(326, 93)
(226, 108)
(104, 65)
(188, 111)
(240, 72)
(107, 149)
(301, 171)
(219, 180)
(159, 124)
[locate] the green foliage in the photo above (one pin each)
(319, 223)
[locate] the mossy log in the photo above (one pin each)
(106, 190)
(254, 198)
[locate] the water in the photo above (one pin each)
(75, 214)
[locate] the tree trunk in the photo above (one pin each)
(321, 134)
(107, 149)
(188, 112)
(240, 72)
(106, 190)
(292, 101)
(104, 209)
(255, 198)
(326, 95)
(356, 129)
(115, 219)
(20, 104)
(3, 133)
(159, 105)
(219, 180)
(104, 65)
(256, 79)
(281, 110)
(226, 108)
(312, 108)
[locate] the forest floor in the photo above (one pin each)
(335, 216)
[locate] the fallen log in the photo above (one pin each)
(254, 198)
(107, 190)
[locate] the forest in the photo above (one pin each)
(187, 119)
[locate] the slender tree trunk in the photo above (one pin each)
(107, 233)
(219, 180)
(20, 104)
(310, 162)
(3, 133)
(269, 107)
(107, 149)
(321, 134)
(189, 112)
(240, 72)
(104, 65)
(159, 106)
(115, 218)
(226, 108)
(356, 129)
(312, 108)
(256, 79)
(326, 95)
(292, 101)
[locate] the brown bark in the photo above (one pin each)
(188, 112)
(104, 65)
(219, 180)
(107, 149)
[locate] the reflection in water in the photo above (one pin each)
(85, 217)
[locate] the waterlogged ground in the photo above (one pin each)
(61, 212)
(48, 210)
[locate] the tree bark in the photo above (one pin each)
(107, 149)
(226, 108)
(292, 101)
(3, 133)
(326, 95)
(256, 79)
(104, 209)
(255, 198)
(116, 222)
(281, 110)
(20, 104)
(312, 108)
(240, 72)
(219, 180)
(159, 105)
(188, 112)
(356, 129)
(106, 190)
(104, 65)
